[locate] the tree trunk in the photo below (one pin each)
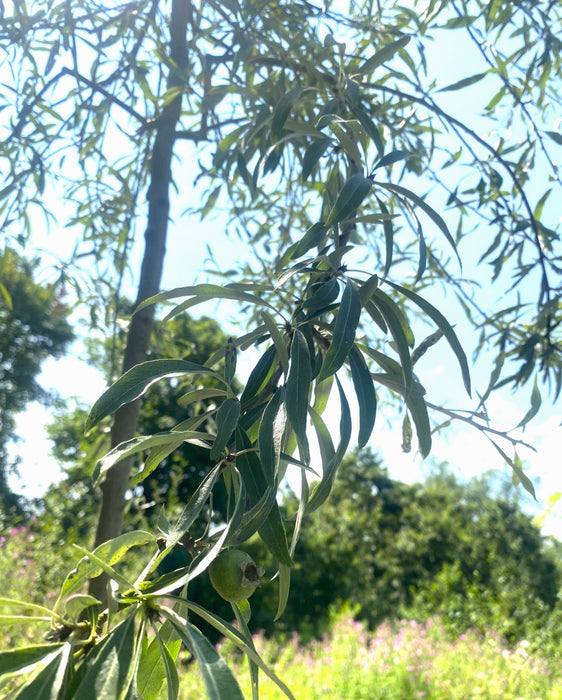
(114, 487)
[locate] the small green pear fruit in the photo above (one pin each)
(234, 575)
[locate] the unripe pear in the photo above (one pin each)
(234, 575)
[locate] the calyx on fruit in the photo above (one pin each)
(234, 575)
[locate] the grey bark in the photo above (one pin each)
(114, 487)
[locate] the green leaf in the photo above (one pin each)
(399, 328)
(298, 384)
(353, 193)
(465, 82)
(271, 431)
(136, 381)
(536, 402)
(169, 665)
(323, 489)
(282, 111)
(313, 154)
(325, 294)
(18, 659)
(418, 410)
(312, 238)
(345, 326)
(259, 375)
(107, 676)
(437, 317)
(110, 552)
(229, 361)
(44, 685)
(392, 157)
(555, 136)
(171, 440)
(284, 587)
(278, 339)
(433, 215)
(218, 678)
(227, 418)
(231, 633)
(365, 392)
(202, 293)
(383, 55)
(272, 530)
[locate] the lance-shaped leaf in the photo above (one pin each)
(365, 392)
(395, 320)
(227, 419)
(437, 317)
(313, 236)
(271, 430)
(323, 489)
(297, 391)
(136, 381)
(110, 552)
(206, 292)
(217, 676)
(108, 675)
(324, 295)
(345, 326)
(414, 397)
(313, 154)
(16, 660)
(229, 361)
(433, 215)
(259, 375)
(383, 55)
(44, 685)
(279, 340)
(284, 588)
(230, 632)
(349, 199)
(140, 443)
(272, 530)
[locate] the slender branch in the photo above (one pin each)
(483, 428)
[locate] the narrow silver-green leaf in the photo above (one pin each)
(284, 587)
(433, 215)
(279, 340)
(536, 401)
(345, 326)
(271, 430)
(297, 391)
(227, 419)
(437, 317)
(136, 381)
(465, 82)
(44, 685)
(365, 392)
(312, 237)
(383, 55)
(107, 677)
(217, 676)
(313, 154)
(349, 199)
(109, 552)
(323, 489)
(16, 660)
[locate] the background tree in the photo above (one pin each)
(33, 327)
(465, 552)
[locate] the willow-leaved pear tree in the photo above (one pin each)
(322, 132)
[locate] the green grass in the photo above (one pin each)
(401, 662)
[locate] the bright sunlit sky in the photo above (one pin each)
(466, 450)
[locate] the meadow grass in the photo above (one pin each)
(405, 661)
